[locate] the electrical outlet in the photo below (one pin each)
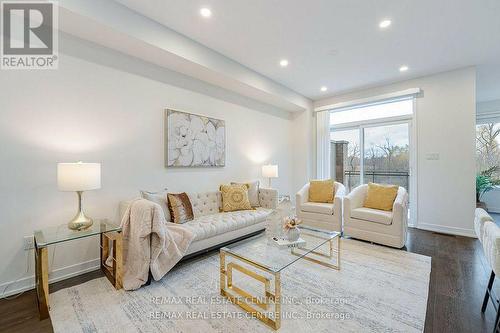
(29, 243)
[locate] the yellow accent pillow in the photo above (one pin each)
(321, 190)
(381, 196)
(235, 197)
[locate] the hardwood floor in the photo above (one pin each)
(458, 281)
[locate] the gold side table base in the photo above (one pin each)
(113, 273)
(42, 281)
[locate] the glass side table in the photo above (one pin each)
(108, 232)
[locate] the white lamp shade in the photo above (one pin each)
(270, 171)
(78, 176)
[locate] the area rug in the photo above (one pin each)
(378, 289)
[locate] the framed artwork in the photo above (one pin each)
(193, 140)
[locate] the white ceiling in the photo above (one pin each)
(337, 43)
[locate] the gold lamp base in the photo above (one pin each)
(80, 221)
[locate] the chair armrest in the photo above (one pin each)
(401, 200)
(302, 196)
(268, 198)
(354, 200)
(400, 211)
(338, 199)
(340, 191)
(357, 197)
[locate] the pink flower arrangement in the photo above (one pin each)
(291, 222)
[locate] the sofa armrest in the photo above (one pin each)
(268, 198)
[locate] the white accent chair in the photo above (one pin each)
(377, 226)
(326, 216)
(488, 234)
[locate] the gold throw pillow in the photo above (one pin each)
(235, 197)
(321, 190)
(180, 207)
(381, 196)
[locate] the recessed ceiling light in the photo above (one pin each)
(205, 12)
(403, 68)
(283, 62)
(324, 88)
(384, 24)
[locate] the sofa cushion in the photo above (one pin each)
(253, 192)
(212, 225)
(205, 203)
(235, 197)
(180, 207)
(160, 199)
(372, 215)
(317, 207)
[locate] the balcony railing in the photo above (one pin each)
(400, 178)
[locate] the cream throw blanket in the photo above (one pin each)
(150, 242)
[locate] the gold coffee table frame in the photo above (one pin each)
(252, 303)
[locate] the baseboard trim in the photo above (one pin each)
(446, 230)
(28, 282)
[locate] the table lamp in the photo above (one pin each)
(270, 171)
(79, 177)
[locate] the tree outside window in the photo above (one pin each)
(488, 149)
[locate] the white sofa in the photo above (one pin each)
(326, 216)
(378, 226)
(213, 228)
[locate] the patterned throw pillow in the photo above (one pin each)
(235, 197)
(180, 207)
(253, 192)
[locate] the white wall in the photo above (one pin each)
(445, 125)
(303, 150)
(109, 108)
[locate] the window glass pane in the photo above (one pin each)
(488, 149)
(385, 110)
(386, 157)
(351, 161)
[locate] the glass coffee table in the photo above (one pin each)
(260, 259)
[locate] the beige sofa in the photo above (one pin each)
(212, 227)
(326, 216)
(378, 226)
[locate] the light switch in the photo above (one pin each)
(432, 156)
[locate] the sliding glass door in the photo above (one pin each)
(374, 143)
(376, 153)
(387, 154)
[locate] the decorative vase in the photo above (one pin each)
(293, 234)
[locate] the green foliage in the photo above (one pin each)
(485, 183)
